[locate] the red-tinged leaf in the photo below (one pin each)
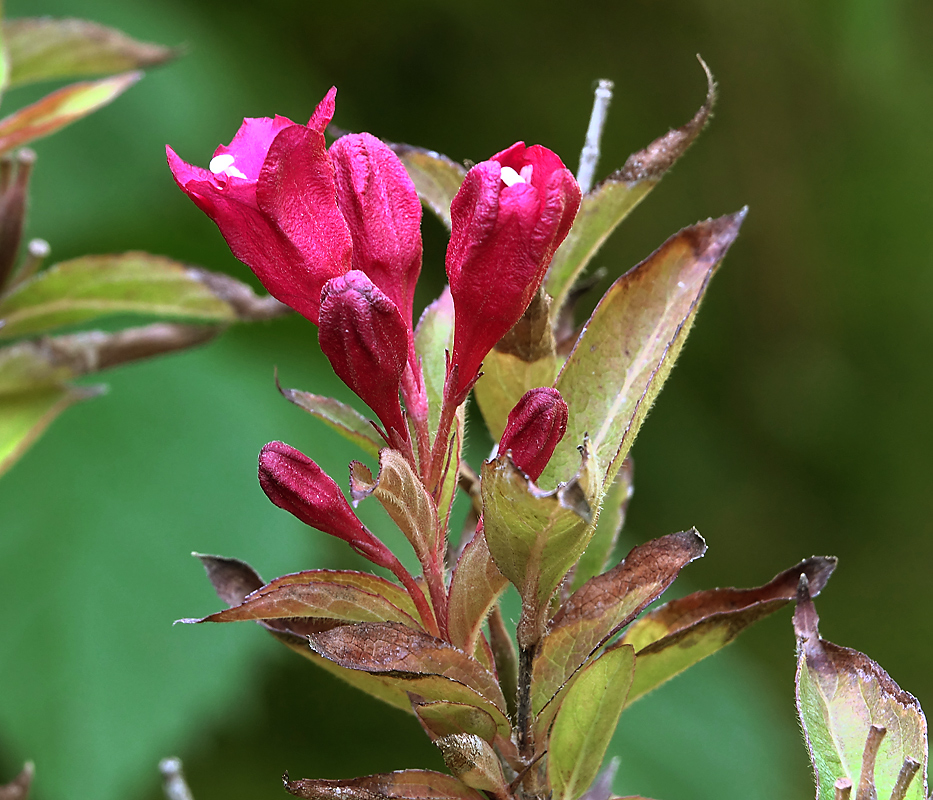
(443, 719)
(629, 345)
(677, 635)
(435, 176)
(61, 108)
(474, 588)
(232, 579)
(602, 607)
(347, 421)
(18, 788)
(43, 48)
(400, 650)
(841, 695)
(603, 208)
(409, 784)
(535, 536)
(403, 496)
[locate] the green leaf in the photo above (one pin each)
(4, 58)
(433, 340)
(608, 527)
(43, 48)
(841, 694)
(677, 635)
(390, 648)
(586, 721)
(24, 416)
(61, 108)
(442, 719)
(602, 209)
(409, 784)
(130, 283)
(534, 536)
(474, 587)
(629, 345)
(347, 421)
(451, 472)
(437, 179)
(602, 607)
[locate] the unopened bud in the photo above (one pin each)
(365, 338)
(535, 426)
(473, 761)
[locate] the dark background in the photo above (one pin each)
(797, 421)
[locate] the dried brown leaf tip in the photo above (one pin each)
(658, 157)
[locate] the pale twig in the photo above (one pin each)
(173, 781)
(589, 157)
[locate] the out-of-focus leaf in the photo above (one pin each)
(409, 784)
(130, 283)
(400, 650)
(404, 498)
(678, 634)
(18, 788)
(42, 48)
(433, 340)
(475, 585)
(437, 179)
(61, 108)
(443, 719)
(602, 209)
(505, 379)
(629, 345)
(600, 609)
(534, 536)
(24, 416)
(608, 527)
(586, 721)
(4, 59)
(841, 694)
(347, 421)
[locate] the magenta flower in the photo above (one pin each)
(366, 340)
(510, 215)
(534, 428)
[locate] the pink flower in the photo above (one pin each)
(534, 428)
(366, 340)
(510, 215)
(298, 215)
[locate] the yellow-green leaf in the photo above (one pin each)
(347, 421)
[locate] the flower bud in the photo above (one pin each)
(294, 482)
(509, 216)
(363, 335)
(272, 193)
(380, 205)
(535, 426)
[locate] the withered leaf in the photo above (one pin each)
(678, 634)
(841, 695)
(409, 784)
(474, 587)
(602, 607)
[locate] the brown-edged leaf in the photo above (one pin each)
(841, 694)
(61, 108)
(409, 784)
(603, 208)
(441, 718)
(678, 634)
(602, 607)
(629, 345)
(400, 651)
(347, 421)
(403, 496)
(43, 48)
(437, 179)
(474, 587)
(18, 788)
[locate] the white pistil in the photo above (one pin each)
(223, 165)
(510, 177)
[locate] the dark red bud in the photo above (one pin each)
(366, 340)
(535, 426)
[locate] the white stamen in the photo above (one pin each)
(510, 177)
(223, 165)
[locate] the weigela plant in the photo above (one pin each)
(334, 232)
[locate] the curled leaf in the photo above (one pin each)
(409, 784)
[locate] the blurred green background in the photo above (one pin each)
(798, 421)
